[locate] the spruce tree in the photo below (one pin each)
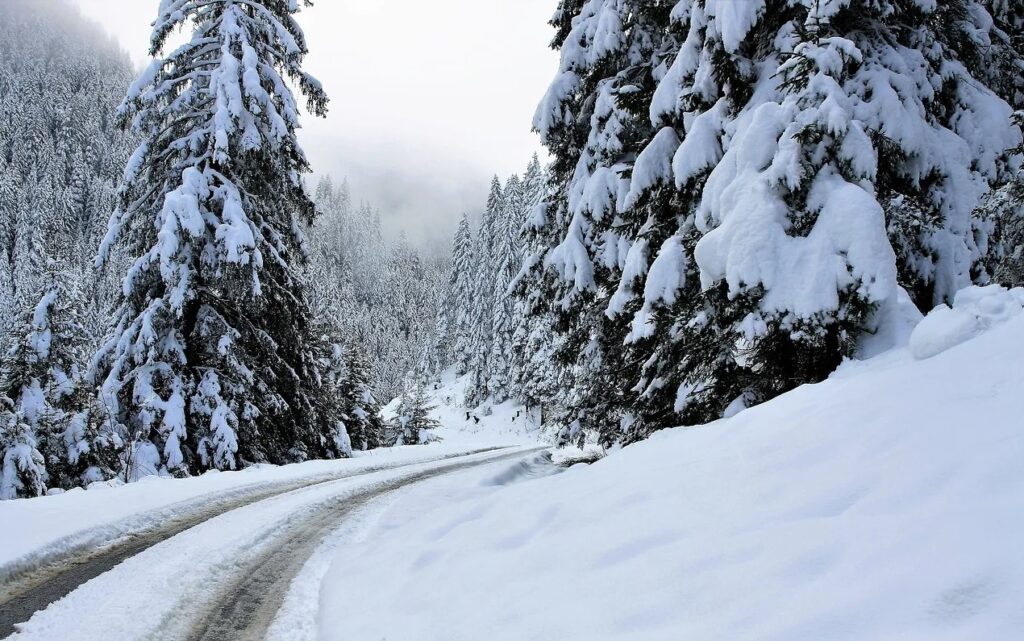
(750, 187)
(594, 122)
(60, 79)
(507, 256)
(838, 181)
(213, 359)
(361, 410)
(533, 374)
(41, 372)
(1006, 207)
(462, 301)
(482, 310)
(417, 416)
(22, 467)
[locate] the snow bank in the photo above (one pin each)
(975, 309)
(882, 504)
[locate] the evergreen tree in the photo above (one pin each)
(334, 369)
(1006, 207)
(213, 357)
(41, 373)
(482, 310)
(60, 151)
(461, 303)
(379, 298)
(533, 376)
(450, 344)
(834, 178)
(416, 416)
(361, 410)
(23, 473)
(736, 195)
(593, 120)
(60, 79)
(507, 257)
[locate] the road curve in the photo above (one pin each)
(33, 591)
(247, 607)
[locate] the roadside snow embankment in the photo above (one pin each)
(883, 504)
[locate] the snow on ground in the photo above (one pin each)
(974, 310)
(297, 619)
(505, 422)
(883, 504)
(37, 528)
(156, 594)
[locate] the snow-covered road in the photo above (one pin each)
(220, 568)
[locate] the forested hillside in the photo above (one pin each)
(156, 317)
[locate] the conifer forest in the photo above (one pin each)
(339, 320)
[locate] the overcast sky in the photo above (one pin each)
(428, 99)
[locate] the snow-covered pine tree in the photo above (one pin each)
(361, 410)
(507, 255)
(482, 310)
(41, 373)
(379, 298)
(533, 372)
(1002, 47)
(437, 352)
(451, 343)
(417, 416)
(22, 468)
(213, 358)
(9, 198)
(794, 144)
(334, 383)
(60, 151)
(1006, 207)
(406, 316)
(461, 303)
(791, 190)
(594, 122)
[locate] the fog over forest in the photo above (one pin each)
(417, 123)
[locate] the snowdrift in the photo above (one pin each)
(885, 503)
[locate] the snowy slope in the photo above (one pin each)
(507, 422)
(885, 503)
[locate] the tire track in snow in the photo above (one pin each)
(58, 576)
(248, 607)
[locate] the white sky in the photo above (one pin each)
(428, 99)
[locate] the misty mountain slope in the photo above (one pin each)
(61, 152)
(883, 503)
